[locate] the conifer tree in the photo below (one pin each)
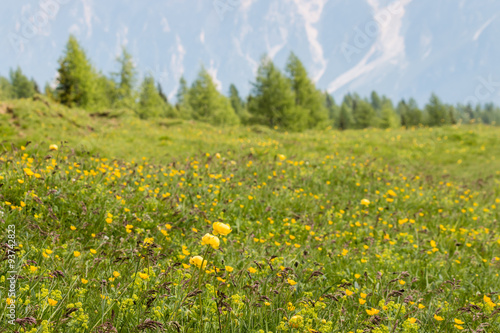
(332, 108)
(375, 101)
(307, 97)
(49, 91)
(22, 87)
(105, 92)
(402, 111)
(5, 89)
(272, 101)
(236, 101)
(208, 104)
(126, 80)
(182, 105)
(345, 116)
(363, 114)
(151, 105)
(437, 113)
(239, 106)
(161, 93)
(77, 78)
(170, 112)
(415, 115)
(388, 117)
(35, 86)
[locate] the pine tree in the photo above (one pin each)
(415, 115)
(170, 112)
(363, 114)
(239, 106)
(22, 87)
(307, 97)
(333, 109)
(105, 92)
(35, 86)
(388, 117)
(77, 78)
(236, 101)
(345, 117)
(437, 113)
(272, 101)
(126, 80)
(151, 105)
(49, 92)
(402, 111)
(161, 93)
(5, 89)
(208, 104)
(375, 101)
(183, 106)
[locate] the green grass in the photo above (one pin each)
(135, 197)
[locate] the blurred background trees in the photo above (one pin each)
(286, 99)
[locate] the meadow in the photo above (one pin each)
(129, 225)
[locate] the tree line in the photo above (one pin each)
(286, 99)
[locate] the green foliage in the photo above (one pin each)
(236, 101)
(21, 86)
(388, 117)
(290, 102)
(333, 109)
(308, 98)
(151, 104)
(437, 113)
(410, 114)
(238, 104)
(375, 101)
(77, 78)
(363, 114)
(105, 92)
(126, 80)
(208, 104)
(5, 89)
(272, 102)
(183, 105)
(345, 117)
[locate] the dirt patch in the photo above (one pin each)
(6, 108)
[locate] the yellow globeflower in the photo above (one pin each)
(211, 240)
(438, 318)
(296, 321)
(221, 229)
(28, 172)
(53, 147)
(197, 261)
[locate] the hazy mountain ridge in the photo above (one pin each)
(420, 46)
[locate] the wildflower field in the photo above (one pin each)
(131, 226)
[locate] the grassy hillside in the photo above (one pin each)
(327, 231)
(463, 152)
